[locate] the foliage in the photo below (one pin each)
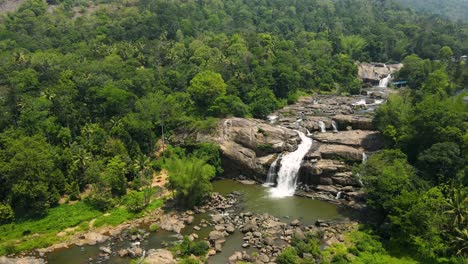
(190, 178)
(188, 247)
(288, 256)
(6, 214)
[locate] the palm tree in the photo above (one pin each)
(458, 207)
(460, 241)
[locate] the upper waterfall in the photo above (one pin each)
(290, 165)
(384, 81)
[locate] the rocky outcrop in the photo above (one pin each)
(365, 139)
(376, 71)
(248, 146)
(160, 256)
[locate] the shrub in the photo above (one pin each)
(288, 256)
(135, 202)
(190, 179)
(187, 247)
(6, 214)
(154, 227)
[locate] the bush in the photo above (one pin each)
(154, 227)
(288, 256)
(135, 202)
(100, 201)
(187, 247)
(6, 214)
(190, 179)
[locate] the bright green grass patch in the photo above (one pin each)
(30, 234)
(40, 233)
(121, 214)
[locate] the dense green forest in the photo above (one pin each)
(452, 9)
(87, 88)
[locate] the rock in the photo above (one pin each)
(299, 234)
(230, 228)
(123, 253)
(264, 258)
(237, 256)
(171, 223)
(369, 140)
(211, 252)
(160, 256)
(196, 228)
(217, 218)
(106, 250)
(243, 142)
(216, 235)
(220, 228)
(245, 245)
(295, 222)
(249, 226)
(189, 220)
(91, 238)
(269, 241)
(219, 245)
(137, 252)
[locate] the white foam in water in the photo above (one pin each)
(360, 102)
(272, 118)
(290, 165)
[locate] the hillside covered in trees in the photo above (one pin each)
(452, 9)
(88, 88)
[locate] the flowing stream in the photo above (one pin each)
(271, 176)
(290, 165)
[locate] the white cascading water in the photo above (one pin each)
(335, 127)
(338, 195)
(308, 133)
(384, 81)
(271, 176)
(364, 157)
(290, 165)
(322, 126)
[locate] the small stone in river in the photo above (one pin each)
(123, 252)
(197, 228)
(295, 222)
(245, 245)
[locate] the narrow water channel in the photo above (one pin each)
(256, 199)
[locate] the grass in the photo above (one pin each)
(40, 233)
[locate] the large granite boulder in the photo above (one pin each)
(354, 121)
(376, 71)
(248, 146)
(160, 256)
(368, 140)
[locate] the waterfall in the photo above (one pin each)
(384, 81)
(272, 118)
(338, 195)
(335, 127)
(308, 133)
(360, 102)
(290, 165)
(322, 126)
(271, 176)
(364, 157)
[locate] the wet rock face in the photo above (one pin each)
(249, 146)
(376, 71)
(21, 260)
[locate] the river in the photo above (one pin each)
(256, 199)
